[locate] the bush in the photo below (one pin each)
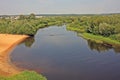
(106, 29)
(115, 37)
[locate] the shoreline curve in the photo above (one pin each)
(7, 43)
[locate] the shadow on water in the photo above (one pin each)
(29, 42)
(62, 55)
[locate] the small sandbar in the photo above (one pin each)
(8, 40)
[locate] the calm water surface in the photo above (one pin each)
(62, 55)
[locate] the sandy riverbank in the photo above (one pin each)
(7, 44)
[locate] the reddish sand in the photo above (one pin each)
(7, 44)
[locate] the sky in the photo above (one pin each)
(13, 7)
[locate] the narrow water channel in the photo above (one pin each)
(59, 54)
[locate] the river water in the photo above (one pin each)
(60, 54)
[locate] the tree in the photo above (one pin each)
(90, 29)
(21, 17)
(31, 16)
(117, 28)
(106, 29)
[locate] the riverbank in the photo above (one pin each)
(7, 44)
(9, 40)
(100, 39)
(96, 38)
(8, 71)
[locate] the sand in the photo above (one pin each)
(7, 43)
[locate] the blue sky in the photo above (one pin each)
(59, 6)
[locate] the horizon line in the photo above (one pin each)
(60, 14)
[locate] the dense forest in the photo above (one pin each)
(105, 26)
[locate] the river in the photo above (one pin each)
(60, 54)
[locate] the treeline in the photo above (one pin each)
(104, 25)
(29, 24)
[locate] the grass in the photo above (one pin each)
(100, 39)
(26, 75)
(75, 29)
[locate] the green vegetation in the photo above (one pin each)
(99, 25)
(103, 29)
(99, 39)
(29, 24)
(100, 28)
(26, 75)
(76, 26)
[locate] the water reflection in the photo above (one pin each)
(29, 42)
(101, 47)
(92, 45)
(117, 49)
(97, 46)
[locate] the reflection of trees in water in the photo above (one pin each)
(117, 49)
(102, 48)
(28, 42)
(97, 46)
(93, 45)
